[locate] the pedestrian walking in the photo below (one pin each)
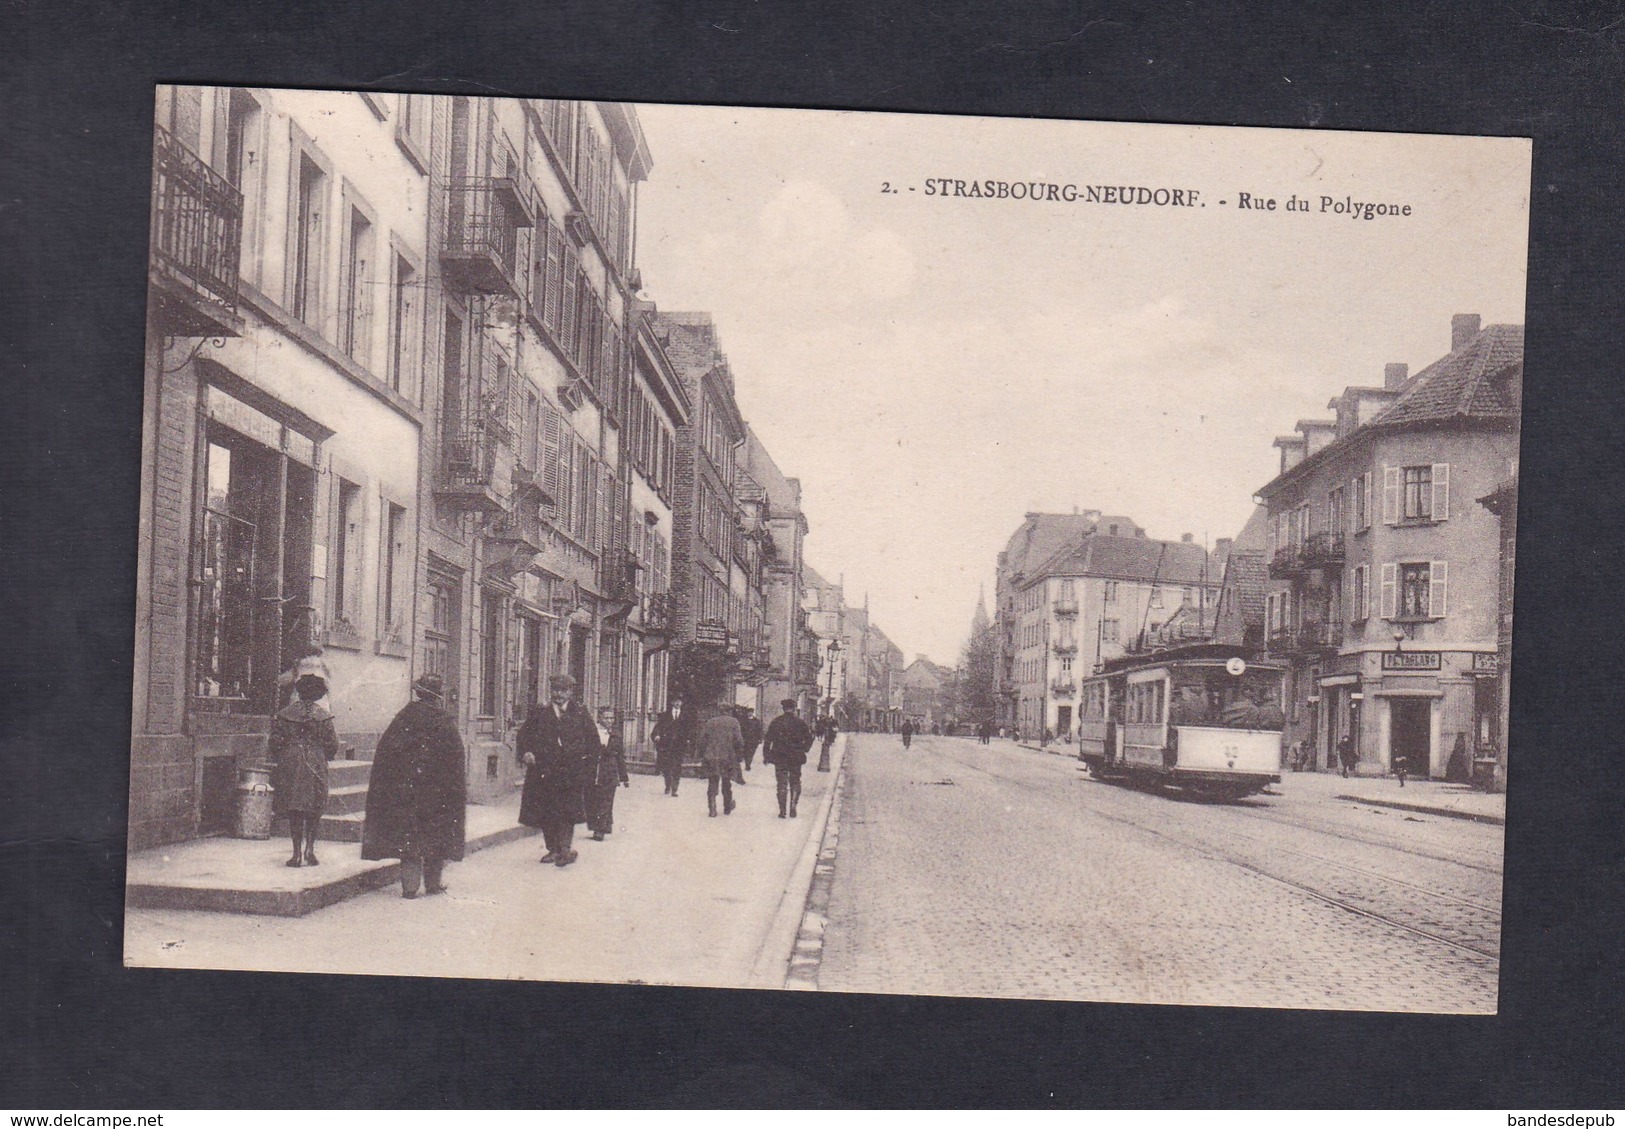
(1346, 754)
(828, 732)
(721, 744)
(785, 748)
(417, 794)
(1402, 767)
(751, 726)
(558, 745)
(302, 741)
(609, 773)
(908, 732)
(310, 660)
(673, 736)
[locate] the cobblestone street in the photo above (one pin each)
(999, 871)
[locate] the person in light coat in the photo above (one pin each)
(720, 744)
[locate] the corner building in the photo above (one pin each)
(1384, 577)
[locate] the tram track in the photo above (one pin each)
(1206, 850)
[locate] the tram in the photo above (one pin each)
(1199, 718)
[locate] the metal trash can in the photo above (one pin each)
(254, 794)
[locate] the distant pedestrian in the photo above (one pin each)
(302, 741)
(751, 726)
(721, 743)
(673, 736)
(785, 748)
(1346, 754)
(908, 732)
(417, 794)
(1402, 767)
(609, 773)
(559, 746)
(830, 729)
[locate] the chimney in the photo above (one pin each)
(1394, 376)
(1463, 328)
(1185, 538)
(1221, 547)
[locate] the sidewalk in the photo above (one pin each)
(672, 897)
(1431, 797)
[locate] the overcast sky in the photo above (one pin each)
(933, 368)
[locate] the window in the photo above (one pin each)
(1066, 664)
(355, 325)
(1156, 596)
(1362, 502)
(490, 654)
(1416, 493)
(393, 560)
(309, 212)
(412, 129)
(1108, 630)
(1360, 594)
(243, 162)
(1145, 702)
(402, 325)
(347, 540)
(1334, 510)
(1110, 592)
(1415, 591)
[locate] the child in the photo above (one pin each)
(303, 740)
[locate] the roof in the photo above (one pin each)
(1474, 383)
(1041, 536)
(1132, 558)
(1459, 384)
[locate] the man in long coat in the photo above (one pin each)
(673, 736)
(785, 748)
(752, 730)
(559, 747)
(721, 744)
(417, 794)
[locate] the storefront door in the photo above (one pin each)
(1410, 720)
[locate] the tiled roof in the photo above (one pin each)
(1459, 385)
(1132, 558)
(1050, 533)
(1247, 575)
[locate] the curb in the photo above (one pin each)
(1448, 813)
(795, 943)
(293, 903)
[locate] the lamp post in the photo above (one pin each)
(829, 694)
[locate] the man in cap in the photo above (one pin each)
(559, 746)
(417, 794)
(785, 748)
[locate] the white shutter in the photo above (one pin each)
(1365, 515)
(1365, 592)
(1438, 588)
(1390, 496)
(1353, 506)
(1390, 586)
(1441, 491)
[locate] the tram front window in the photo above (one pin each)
(1219, 699)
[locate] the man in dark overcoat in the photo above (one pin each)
(828, 733)
(673, 736)
(908, 731)
(609, 773)
(785, 748)
(721, 746)
(559, 747)
(751, 727)
(417, 793)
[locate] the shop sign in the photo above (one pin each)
(1486, 661)
(1411, 660)
(711, 634)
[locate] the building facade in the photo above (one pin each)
(284, 408)
(924, 693)
(1382, 599)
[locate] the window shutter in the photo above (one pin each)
(1438, 588)
(1390, 590)
(550, 453)
(553, 301)
(1365, 515)
(1441, 491)
(567, 318)
(1390, 496)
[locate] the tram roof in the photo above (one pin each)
(1195, 653)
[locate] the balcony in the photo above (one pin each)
(468, 456)
(1322, 549)
(1066, 606)
(1063, 689)
(1066, 647)
(1306, 638)
(1283, 641)
(483, 218)
(1287, 562)
(197, 230)
(658, 613)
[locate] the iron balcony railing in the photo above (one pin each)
(1287, 561)
(1323, 549)
(1066, 647)
(483, 218)
(1063, 689)
(469, 453)
(197, 233)
(1066, 605)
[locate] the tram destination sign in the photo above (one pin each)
(1411, 660)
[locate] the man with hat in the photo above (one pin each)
(721, 745)
(785, 748)
(417, 794)
(752, 730)
(673, 736)
(559, 746)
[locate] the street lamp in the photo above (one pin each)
(829, 696)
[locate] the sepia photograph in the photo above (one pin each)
(830, 551)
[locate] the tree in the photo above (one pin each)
(975, 699)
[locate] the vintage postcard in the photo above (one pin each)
(849, 552)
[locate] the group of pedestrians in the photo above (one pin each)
(417, 796)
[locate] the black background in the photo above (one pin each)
(81, 1032)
